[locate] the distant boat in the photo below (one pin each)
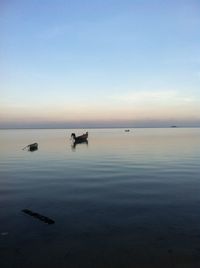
(173, 126)
(32, 147)
(79, 139)
(127, 130)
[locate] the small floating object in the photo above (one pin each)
(32, 147)
(127, 130)
(38, 216)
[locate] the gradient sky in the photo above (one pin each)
(68, 63)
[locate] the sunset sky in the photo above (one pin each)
(96, 63)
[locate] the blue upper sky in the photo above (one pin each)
(67, 63)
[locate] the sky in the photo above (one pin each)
(99, 63)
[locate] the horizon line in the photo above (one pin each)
(128, 127)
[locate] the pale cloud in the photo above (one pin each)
(153, 97)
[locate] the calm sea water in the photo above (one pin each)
(125, 199)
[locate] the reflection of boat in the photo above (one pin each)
(32, 147)
(79, 139)
(76, 143)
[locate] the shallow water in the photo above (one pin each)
(125, 199)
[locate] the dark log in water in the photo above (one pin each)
(38, 216)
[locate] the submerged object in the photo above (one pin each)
(38, 216)
(79, 139)
(32, 147)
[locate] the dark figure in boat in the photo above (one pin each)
(79, 139)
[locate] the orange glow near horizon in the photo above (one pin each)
(99, 113)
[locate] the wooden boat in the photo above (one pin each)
(79, 139)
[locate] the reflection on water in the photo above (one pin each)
(80, 143)
(123, 200)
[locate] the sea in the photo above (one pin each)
(123, 199)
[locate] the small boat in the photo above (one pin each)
(32, 147)
(127, 130)
(79, 139)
